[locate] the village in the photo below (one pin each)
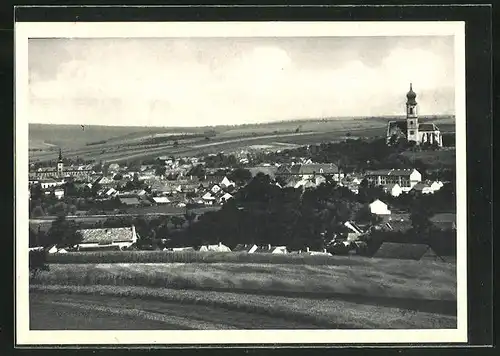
(184, 188)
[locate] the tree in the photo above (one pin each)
(160, 170)
(63, 232)
(177, 221)
(176, 143)
(420, 220)
(240, 175)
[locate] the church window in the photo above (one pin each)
(412, 132)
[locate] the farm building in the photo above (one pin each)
(378, 207)
(215, 248)
(406, 251)
(405, 178)
(250, 248)
(393, 189)
(122, 237)
(271, 249)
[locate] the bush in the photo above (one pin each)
(37, 261)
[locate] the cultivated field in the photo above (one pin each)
(348, 293)
(119, 144)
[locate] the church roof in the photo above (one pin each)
(411, 96)
(427, 127)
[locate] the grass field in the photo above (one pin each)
(370, 294)
(396, 279)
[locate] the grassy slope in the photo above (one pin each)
(422, 280)
(74, 139)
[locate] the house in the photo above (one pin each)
(427, 187)
(378, 207)
(317, 253)
(122, 237)
(215, 248)
(251, 248)
(111, 192)
(405, 178)
(59, 193)
(353, 227)
(393, 189)
(404, 251)
(271, 249)
(48, 183)
(161, 200)
(182, 249)
(310, 170)
(208, 198)
(225, 198)
(226, 183)
(215, 189)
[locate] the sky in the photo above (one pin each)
(231, 81)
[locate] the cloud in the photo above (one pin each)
(181, 83)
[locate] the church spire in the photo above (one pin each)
(60, 155)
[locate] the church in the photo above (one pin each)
(61, 172)
(411, 129)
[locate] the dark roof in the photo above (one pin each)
(401, 251)
(242, 247)
(427, 127)
(107, 236)
(398, 226)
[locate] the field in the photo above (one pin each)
(119, 144)
(348, 293)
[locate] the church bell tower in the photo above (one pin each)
(411, 116)
(60, 164)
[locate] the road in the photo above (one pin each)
(89, 312)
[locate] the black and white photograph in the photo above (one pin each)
(233, 182)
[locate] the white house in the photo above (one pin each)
(215, 248)
(379, 207)
(45, 184)
(405, 178)
(59, 193)
(225, 197)
(393, 189)
(122, 237)
(215, 189)
(226, 183)
(161, 200)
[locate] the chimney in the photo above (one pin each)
(307, 249)
(220, 244)
(324, 250)
(269, 247)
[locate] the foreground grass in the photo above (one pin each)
(389, 279)
(225, 257)
(323, 313)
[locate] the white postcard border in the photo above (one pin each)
(25, 30)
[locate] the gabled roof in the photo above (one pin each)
(401, 251)
(243, 247)
(107, 236)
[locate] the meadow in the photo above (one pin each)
(367, 293)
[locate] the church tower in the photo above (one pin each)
(411, 116)
(60, 164)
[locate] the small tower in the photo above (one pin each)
(60, 164)
(411, 116)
